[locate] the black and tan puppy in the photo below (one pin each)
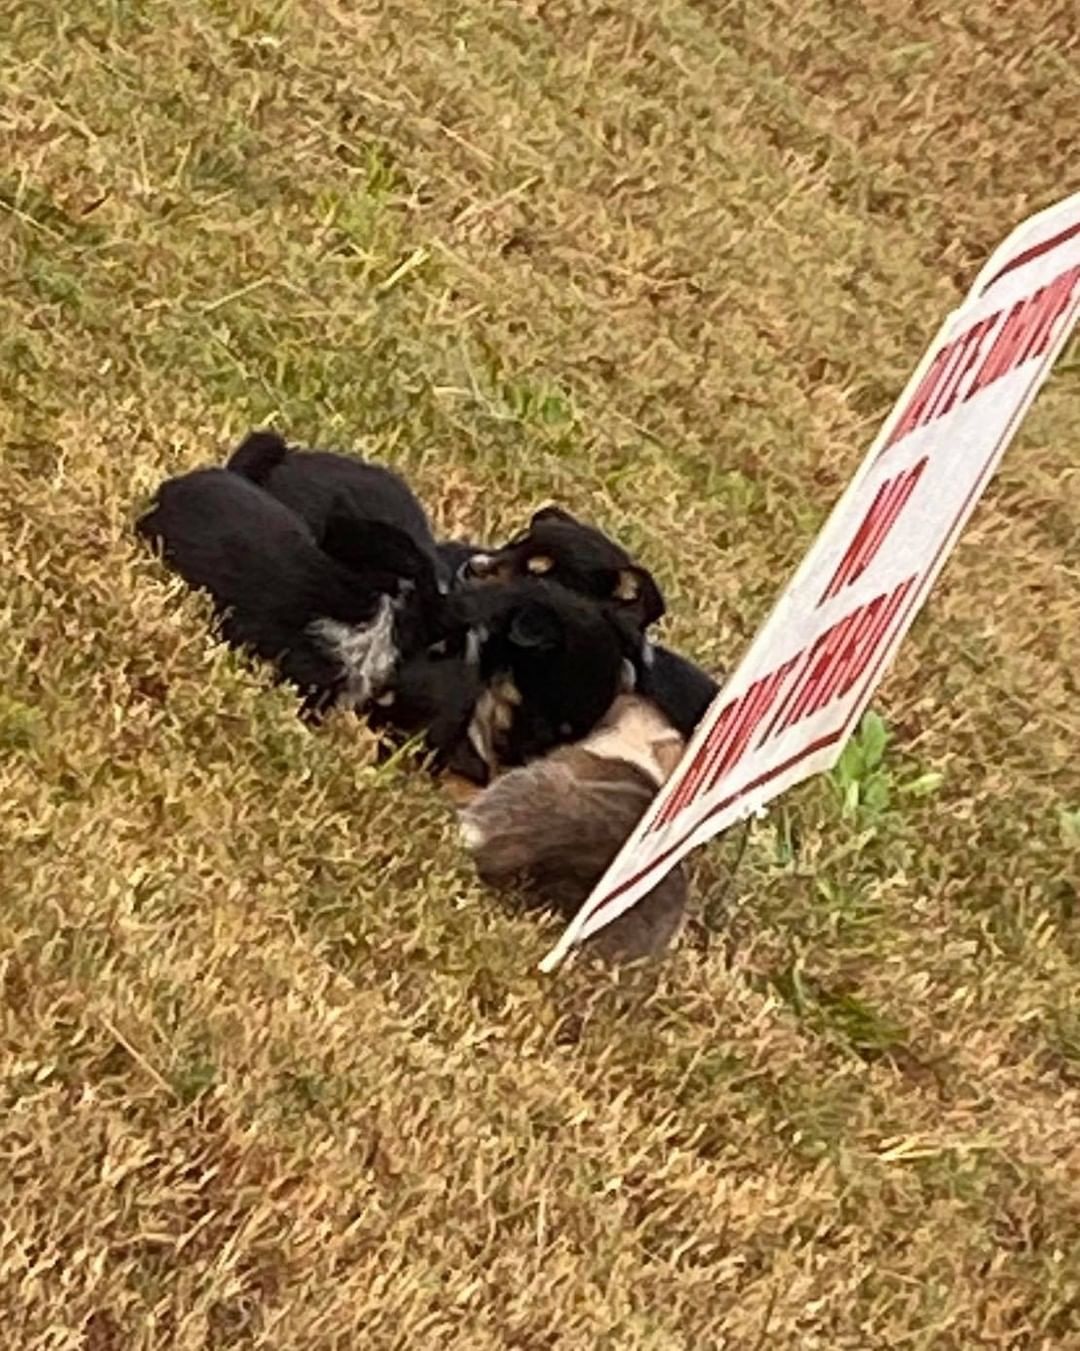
(560, 548)
(552, 827)
(336, 632)
(572, 554)
(524, 667)
(550, 664)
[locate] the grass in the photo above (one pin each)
(277, 1073)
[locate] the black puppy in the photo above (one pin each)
(321, 485)
(525, 667)
(550, 664)
(560, 548)
(336, 632)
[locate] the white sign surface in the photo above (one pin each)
(787, 710)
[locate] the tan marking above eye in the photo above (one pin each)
(386, 700)
(505, 690)
(538, 564)
(628, 586)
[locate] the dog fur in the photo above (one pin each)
(524, 667)
(552, 827)
(559, 548)
(335, 633)
(679, 688)
(322, 486)
(434, 695)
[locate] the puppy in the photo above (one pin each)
(322, 486)
(523, 667)
(554, 826)
(335, 633)
(562, 549)
(550, 664)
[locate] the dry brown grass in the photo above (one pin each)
(276, 1071)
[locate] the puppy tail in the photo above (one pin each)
(257, 454)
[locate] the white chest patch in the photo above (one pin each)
(636, 731)
(367, 652)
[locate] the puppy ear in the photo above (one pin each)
(551, 513)
(634, 586)
(257, 454)
(536, 627)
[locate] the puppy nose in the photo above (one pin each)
(479, 565)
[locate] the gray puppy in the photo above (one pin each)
(553, 826)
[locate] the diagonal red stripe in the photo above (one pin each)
(1036, 251)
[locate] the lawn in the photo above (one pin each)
(277, 1071)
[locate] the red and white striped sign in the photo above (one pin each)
(801, 689)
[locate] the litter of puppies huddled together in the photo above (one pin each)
(525, 671)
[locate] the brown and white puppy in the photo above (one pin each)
(553, 826)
